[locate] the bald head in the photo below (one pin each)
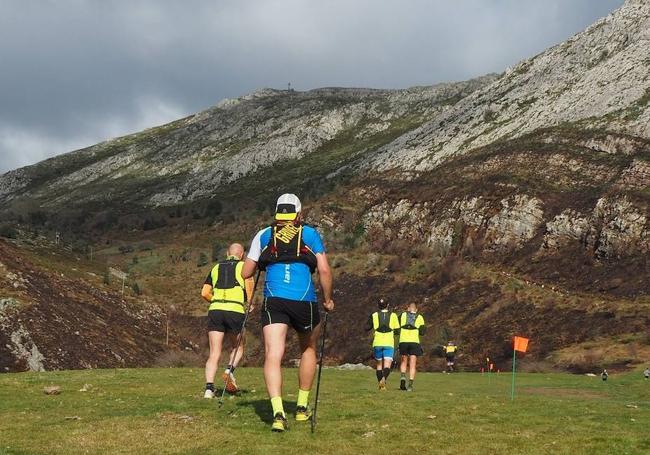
(236, 250)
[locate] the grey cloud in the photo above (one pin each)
(75, 72)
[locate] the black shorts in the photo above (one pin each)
(410, 349)
(302, 316)
(450, 357)
(225, 321)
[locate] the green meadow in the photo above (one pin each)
(161, 411)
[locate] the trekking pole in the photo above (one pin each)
(239, 339)
(320, 370)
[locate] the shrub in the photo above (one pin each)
(126, 249)
(213, 208)
(397, 264)
(146, 245)
(203, 260)
(451, 269)
(8, 231)
(154, 222)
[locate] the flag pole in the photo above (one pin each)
(514, 360)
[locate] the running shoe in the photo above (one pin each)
(231, 384)
(303, 414)
(209, 394)
(280, 423)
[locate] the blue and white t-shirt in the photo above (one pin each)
(288, 281)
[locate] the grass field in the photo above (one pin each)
(161, 411)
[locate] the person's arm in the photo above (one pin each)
(421, 326)
(206, 291)
(249, 284)
(248, 270)
(369, 323)
(254, 252)
(325, 279)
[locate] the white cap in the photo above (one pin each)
(287, 207)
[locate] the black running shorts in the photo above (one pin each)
(410, 349)
(225, 321)
(302, 316)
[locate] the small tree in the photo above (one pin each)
(107, 277)
(136, 288)
(203, 260)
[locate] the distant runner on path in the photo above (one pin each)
(411, 328)
(385, 324)
(228, 293)
(290, 251)
(450, 355)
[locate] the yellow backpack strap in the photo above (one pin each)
(299, 239)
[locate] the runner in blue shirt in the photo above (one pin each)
(290, 252)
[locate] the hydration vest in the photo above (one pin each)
(381, 321)
(407, 320)
(286, 246)
(227, 282)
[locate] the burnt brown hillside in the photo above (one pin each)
(54, 320)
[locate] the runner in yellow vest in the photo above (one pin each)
(411, 327)
(228, 294)
(450, 355)
(385, 324)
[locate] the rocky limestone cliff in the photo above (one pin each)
(599, 77)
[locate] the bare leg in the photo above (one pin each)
(307, 368)
(216, 343)
(274, 342)
(235, 358)
(388, 363)
(402, 366)
(412, 362)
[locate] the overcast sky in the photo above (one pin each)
(75, 72)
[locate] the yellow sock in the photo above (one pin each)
(276, 403)
(303, 398)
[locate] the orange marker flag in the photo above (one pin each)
(521, 344)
